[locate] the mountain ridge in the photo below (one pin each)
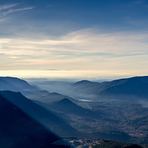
(45, 117)
(133, 86)
(20, 130)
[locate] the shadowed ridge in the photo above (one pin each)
(67, 106)
(20, 130)
(45, 117)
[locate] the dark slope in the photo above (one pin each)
(67, 106)
(18, 130)
(47, 118)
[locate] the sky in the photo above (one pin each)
(89, 39)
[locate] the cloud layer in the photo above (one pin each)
(118, 53)
(8, 9)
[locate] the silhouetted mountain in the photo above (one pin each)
(45, 117)
(15, 84)
(135, 86)
(19, 130)
(129, 87)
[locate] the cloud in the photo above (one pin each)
(7, 6)
(83, 50)
(8, 9)
(80, 44)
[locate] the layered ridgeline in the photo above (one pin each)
(97, 110)
(128, 88)
(18, 128)
(45, 117)
(135, 87)
(115, 110)
(31, 91)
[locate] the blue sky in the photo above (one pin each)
(74, 38)
(108, 15)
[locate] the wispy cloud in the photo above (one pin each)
(7, 6)
(8, 9)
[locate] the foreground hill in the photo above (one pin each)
(45, 117)
(17, 129)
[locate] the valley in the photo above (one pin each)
(105, 116)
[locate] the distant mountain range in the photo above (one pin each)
(128, 88)
(136, 87)
(30, 91)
